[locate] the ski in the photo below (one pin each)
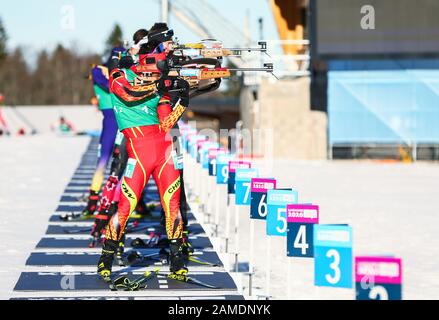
(202, 262)
(131, 226)
(153, 242)
(123, 283)
(78, 231)
(139, 283)
(163, 257)
(188, 279)
(75, 216)
(133, 256)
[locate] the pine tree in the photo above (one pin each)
(115, 38)
(3, 39)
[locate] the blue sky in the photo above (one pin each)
(35, 25)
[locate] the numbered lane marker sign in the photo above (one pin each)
(193, 148)
(187, 136)
(301, 219)
(203, 152)
(243, 179)
(222, 168)
(212, 155)
(258, 202)
(200, 144)
(378, 278)
(277, 200)
(233, 165)
(190, 142)
(333, 256)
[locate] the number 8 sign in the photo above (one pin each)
(258, 202)
(277, 200)
(333, 256)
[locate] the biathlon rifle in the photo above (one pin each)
(195, 69)
(211, 48)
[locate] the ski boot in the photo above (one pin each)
(187, 248)
(92, 203)
(106, 260)
(120, 250)
(177, 262)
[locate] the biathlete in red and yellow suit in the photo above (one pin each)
(145, 117)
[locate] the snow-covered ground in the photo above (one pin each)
(34, 171)
(391, 207)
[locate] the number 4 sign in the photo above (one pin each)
(277, 201)
(301, 219)
(333, 256)
(258, 202)
(378, 278)
(243, 185)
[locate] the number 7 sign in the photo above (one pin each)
(243, 185)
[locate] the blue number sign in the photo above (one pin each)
(333, 256)
(277, 200)
(243, 179)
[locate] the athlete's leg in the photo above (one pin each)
(108, 193)
(168, 181)
(137, 172)
(184, 206)
(108, 135)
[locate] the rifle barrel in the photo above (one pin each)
(252, 69)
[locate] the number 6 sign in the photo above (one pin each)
(258, 202)
(277, 201)
(333, 256)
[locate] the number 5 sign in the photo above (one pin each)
(301, 219)
(258, 202)
(277, 201)
(333, 256)
(378, 278)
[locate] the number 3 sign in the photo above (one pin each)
(333, 256)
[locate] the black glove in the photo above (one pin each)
(163, 84)
(184, 88)
(126, 62)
